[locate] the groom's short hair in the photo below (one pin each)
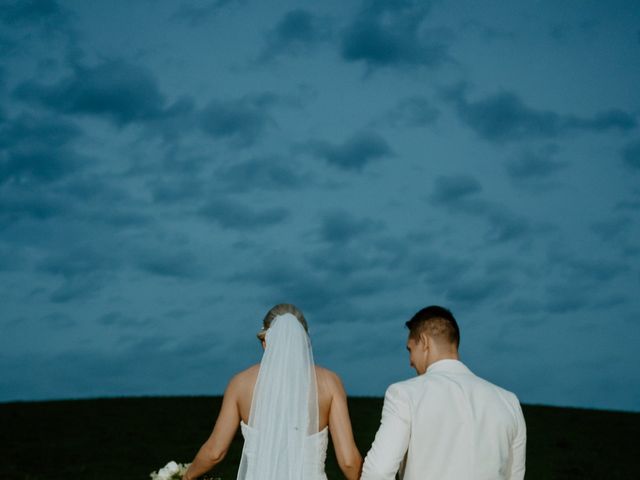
(435, 321)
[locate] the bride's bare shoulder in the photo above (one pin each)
(244, 379)
(328, 379)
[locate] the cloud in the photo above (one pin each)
(36, 165)
(631, 155)
(354, 154)
(632, 203)
(534, 167)
(453, 278)
(504, 117)
(437, 269)
(409, 112)
(83, 270)
(287, 282)
(298, 31)
(124, 93)
(174, 264)
(564, 298)
(340, 227)
(320, 295)
(454, 189)
(612, 229)
(103, 200)
(602, 121)
(474, 291)
(587, 270)
(121, 320)
(11, 258)
(198, 13)
(391, 34)
(564, 31)
(19, 204)
(345, 260)
(149, 365)
(115, 89)
(180, 173)
(29, 28)
(341, 279)
(177, 119)
(238, 216)
(504, 225)
(58, 320)
(119, 217)
(8, 47)
(176, 189)
(89, 201)
(489, 33)
(577, 283)
(45, 13)
(242, 121)
(365, 254)
(45, 131)
(81, 261)
(3, 81)
(265, 173)
(459, 193)
(37, 149)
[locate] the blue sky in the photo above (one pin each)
(170, 170)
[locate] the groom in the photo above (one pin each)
(447, 423)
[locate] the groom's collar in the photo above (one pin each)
(448, 365)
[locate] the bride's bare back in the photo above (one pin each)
(236, 406)
(328, 385)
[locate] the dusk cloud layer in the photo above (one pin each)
(355, 153)
(297, 32)
(169, 171)
(119, 91)
(390, 34)
(242, 121)
(504, 117)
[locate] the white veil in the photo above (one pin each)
(284, 408)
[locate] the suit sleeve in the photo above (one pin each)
(519, 445)
(392, 439)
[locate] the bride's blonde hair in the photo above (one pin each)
(281, 309)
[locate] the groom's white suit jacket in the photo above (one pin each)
(448, 424)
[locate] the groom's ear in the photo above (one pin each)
(424, 341)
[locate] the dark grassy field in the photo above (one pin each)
(128, 438)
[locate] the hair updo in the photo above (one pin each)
(277, 310)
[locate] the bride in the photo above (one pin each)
(286, 406)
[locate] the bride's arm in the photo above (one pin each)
(347, 454)
(215, 448)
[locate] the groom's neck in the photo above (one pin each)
(448, 355)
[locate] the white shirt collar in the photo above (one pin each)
(448, 365)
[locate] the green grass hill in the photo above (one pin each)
(127, 438)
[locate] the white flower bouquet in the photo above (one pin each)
(174, 471)
(171, 471)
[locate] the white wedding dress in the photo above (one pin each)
(282, 440)
(314, 454)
